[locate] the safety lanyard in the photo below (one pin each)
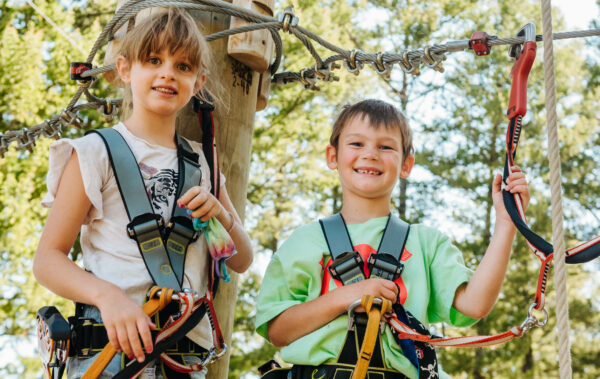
(163, 249)
(544, 250)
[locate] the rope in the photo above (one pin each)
(560, 280)
(409, 61)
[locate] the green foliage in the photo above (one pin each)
(34, 85)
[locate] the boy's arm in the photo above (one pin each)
(53, 268)
(302, 319)
(477, 297)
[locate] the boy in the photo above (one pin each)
(302, 310)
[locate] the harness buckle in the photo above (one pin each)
(182, 226)
(347, 268)
(143, 224)
(384, 266)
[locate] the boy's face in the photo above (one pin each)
(163, 83)
(369, 160)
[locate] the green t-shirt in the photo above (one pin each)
(433, 270)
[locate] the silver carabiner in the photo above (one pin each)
(527, 31)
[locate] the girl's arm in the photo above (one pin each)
(123, 318)
(205, 206)
(243, 259)
(477, 298)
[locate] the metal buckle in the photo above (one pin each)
(384, 266)
(182, 229)
(145, 223)
(347, 268)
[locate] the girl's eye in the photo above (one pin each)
(153, 60)
(184, 67)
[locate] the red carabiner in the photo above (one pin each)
(525, 55)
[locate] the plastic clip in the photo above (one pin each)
(78, 68)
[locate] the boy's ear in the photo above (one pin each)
(331, 157)
(200, 80)
(407, 166)
(124, 69)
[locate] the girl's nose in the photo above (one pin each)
(167, 72)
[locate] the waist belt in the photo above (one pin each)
(330, 371)
(89, 337)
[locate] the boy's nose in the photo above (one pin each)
(371, 153)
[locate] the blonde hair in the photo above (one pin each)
(379, 113)
(173, 29)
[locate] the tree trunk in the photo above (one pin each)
(233, 130)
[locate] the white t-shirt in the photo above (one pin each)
(107, 250)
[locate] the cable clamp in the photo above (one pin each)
(288, 18)
(380, 66)
(407, 65)
(434, 60)
(309, 82)
(352, 65)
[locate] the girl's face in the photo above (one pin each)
(162, 84)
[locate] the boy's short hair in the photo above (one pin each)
(173, 28)
(379, 114)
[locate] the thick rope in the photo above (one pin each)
(558, 234)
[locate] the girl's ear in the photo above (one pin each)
(331, 157)
(124, 69)
(407, 166)
(200, 80)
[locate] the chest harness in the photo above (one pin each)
(347, 266)
(163, 249)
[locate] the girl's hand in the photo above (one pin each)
(125, 324)
(205, 206)
(515, 183)
(384, 289)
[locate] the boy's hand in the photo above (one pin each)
(515, 183)
(384, 289)
(204, 206)
(125, 324)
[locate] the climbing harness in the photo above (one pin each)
(163, 249)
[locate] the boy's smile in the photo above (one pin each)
(369, 160)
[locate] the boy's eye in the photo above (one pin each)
(385, 147)
(358, 144)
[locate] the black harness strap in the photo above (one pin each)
(347, 267)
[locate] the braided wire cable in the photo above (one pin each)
(408, 60)
(558, 234)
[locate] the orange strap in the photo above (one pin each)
(152, 306)
(371, 333)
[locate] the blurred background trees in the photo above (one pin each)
(459, 122)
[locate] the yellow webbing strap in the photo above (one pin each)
(371, 333)
(152, 306)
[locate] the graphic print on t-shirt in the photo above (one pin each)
(161, 186)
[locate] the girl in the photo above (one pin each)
(163, 60)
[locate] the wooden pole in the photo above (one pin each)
(233, 130)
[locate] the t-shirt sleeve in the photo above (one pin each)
(93, 165)
(448, 272)
(293, 276)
